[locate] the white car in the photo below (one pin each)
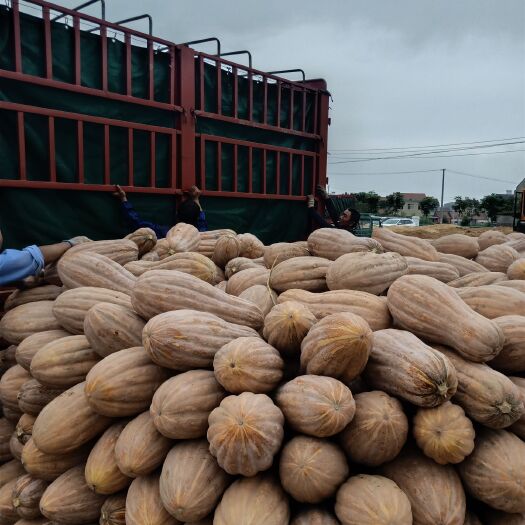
(398, 222)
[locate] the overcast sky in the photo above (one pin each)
(402, 73)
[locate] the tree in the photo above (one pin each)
(459, 205)
(372, 199)
(428, 204)
(394, 202)
(495, 204)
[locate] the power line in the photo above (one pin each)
(385, 172)
(481, 177)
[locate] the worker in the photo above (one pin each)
(348, 220)
(16, 265)
(189, 211)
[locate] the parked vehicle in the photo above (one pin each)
(399, 221)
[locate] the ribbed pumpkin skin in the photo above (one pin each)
(444, 433)
(123, 383)
(488, 397)
(476, 338)
(497, 258)
(27, 349)
(10, 470)
(121, 251)
(441, 271)
(463, 266)
(226, 248)
(161, 291)
(10, 384)
(6, 431)
(478, 279)
(517, 269)
(457, 244)
(282, 251)
(187, 339)
(141, 448)
(143, 504)
(238, 265)
(15, 447)
(250, 246)
(248, 364)
(286, 325)
(314, 517)
(27, 319)
(261, 296)
(102, 473)
(434, 491)
(183, 238)
(64, 363)
(47, 292)
(303, 273)
(112, 327)
(70, 501)
(24, 428)
(67, 423)
(512, 355)
(181, 406)
(191, 482)
(163, 250)
(242, 280)
(337, 346)
(373, 500)
(519, 426)
(144, 238)
(493, 301)
(331, 243)
(113, 512)
(493, 473)
(491, 238)
(516, 284)
(33, 397)
(153, 255)
(245, 433)
(378, 430)
(402, 365)
(315, 405)
(26, 496)
(312, 469)
(370, 272)
(253, 501)
(405, 245)
(8, 512)
(72, 306)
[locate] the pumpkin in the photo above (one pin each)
(405, 245)
(24, 428)
(515, 236)
(181, 406)
(238, 264)
(10, 470)
(378, 430)
(12, 415)
(187, 339)
(493, 473)
(315, 405)
(493, 301)
(304, 273)
(33, 396)
(27, 319)
(209, 239)
(370, 272)
(443, 272)
(26, 496)
(248, 364)
(245, 433)
(253, 501)
(10, 384)
(191, 482)
(372, 500)
(250, 246)
(6, 431)
(8, 357)
(516, 284)
(70, 501)
(409, 300)
(434, 491)
(8, 514)
(153, 255)
(67, 423)
(337, 345)
(143, 504)
(487, 396)
(519, 426)
(40, 293)
(163, 250)
(517, 270)
(120, 251)
(113, 512)
(371, 308)
(311, 469)
(282, 251)
(497, 258)
(457, 244)
(111, 327)
(242, 280)
(314, 517)
(518, 245)
(183, 238)
(161, 291)
(444, 433)
(15, 447)
(463, 266)
(512, 355)
(102, 473)
(27, 349)
(72, 306)
(123, 383)
(222, 286)
(64, 363)
(491, 238)
(478, 279)
(286, 325)
(402, 365)
(262, 296)
(140, 447)
(144, 238)
(331, 243)
(226, 248)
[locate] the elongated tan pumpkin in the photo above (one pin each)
(33, 397)
(314, 516)
(372, 500)
(24, 428)
(497, 258)
(144, 238)
(516, 284)
(26, 496)
(10, 384)
(72, 306)
(457, 244)
(183, 238)
(161, 291)
(261, 296)
(8, 514)
(493, 473)
(238, 264)
(282, 251)
(245, 433)
(475, 337)
(315, 405)
(491, 238)
(405, 245)
(311, 469)
(47, 292)
(181, 406)
(486, 395)
(10, 470)
(331, 243)
(123, 383)
(517, 269)
(140, 447)
(478, 279)
(404, 366)
(493, 301)
(378, 430)
(187, 339)
(226, 248)
(518, 427)
(27, 349)
(191, 481)
(304, 273)
(121, 251)
(250, 246)
(463, 266)
(111, 327)
(8, 358)
(443, 272)
(512, 355)
(113, 512)
(152, 255)
(15, 447)
(242, 280)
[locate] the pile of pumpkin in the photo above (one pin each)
(208, 379)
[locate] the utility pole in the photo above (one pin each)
(442, 193)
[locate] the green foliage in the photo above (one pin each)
(465, 206)
(394, 202)
(428, 205)
(370, 199)
(495, 205)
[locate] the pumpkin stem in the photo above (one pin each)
(442, 389)
(505, 407)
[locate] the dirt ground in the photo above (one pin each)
(435, 231)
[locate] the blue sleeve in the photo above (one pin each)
(16, 265)
(134, 220)
(202, 225)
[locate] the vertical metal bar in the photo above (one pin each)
(80, 151)
(278, 104)
(47, 44)
(250, 96)
(235, 93)
(129, 67)
(219, 87)
(303, 123)
(21, 145)
(264, 171)
(151, 70)
(52, 149)
(173, 160)
(152, 160)
(322, 143)
(203, 162)
(78, 70)
(219, 166)
(250, 169)
(104, 50)
(314, 173)
(316, 109)
(291, 106)
(302, 176)
(278, 170)
(290, 171)
(107, 160)
(131, 156)
(201, 82)
(235, 167)
(16, 37)
(172, 74)
(265, 102)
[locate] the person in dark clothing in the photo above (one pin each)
(348, 220)
(189, 211)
